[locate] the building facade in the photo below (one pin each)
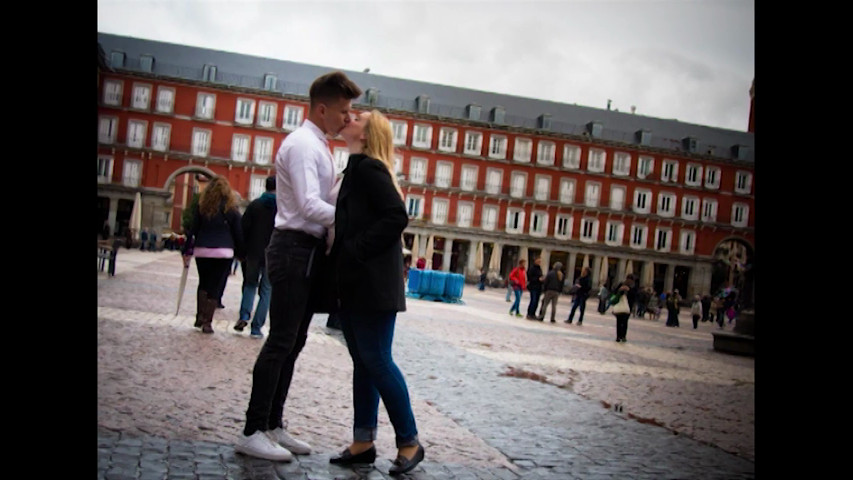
(488, 178)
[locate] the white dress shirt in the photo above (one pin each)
(304, 175)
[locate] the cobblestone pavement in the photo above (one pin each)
(495, 396)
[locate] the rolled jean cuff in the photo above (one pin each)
(363, 434)
(409, 442)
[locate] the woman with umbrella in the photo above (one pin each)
(215, 238)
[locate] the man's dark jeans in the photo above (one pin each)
(535, 295)
(289, 256)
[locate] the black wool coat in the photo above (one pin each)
(367, 253)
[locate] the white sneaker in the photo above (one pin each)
(296, 446)
(260, 445)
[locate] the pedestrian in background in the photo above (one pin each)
(258, 223)
(552, 287)
(582, 287)
(696, 310)
(370, 217)
(534, 286)
(603, 298)
(482, 285)
(706, 308)
(143, 239)
(671, 304)
(215, 237)
(629, 289)
(642, 302)
(517, 281)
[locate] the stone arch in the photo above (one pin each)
(199, 169)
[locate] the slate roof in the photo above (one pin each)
(187, 62)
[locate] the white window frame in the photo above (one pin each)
(545, 152)
(113, 90)
(465, 214)
(666, 204)
(292, 118)
(538, 223)
(621, 164)
(205, 107)
(497, 146)
(740, 214)
(398, 163)
(617, 200)
(443, 174)
(468, 179)
(105, 168)
(141, 97)
(341, 156)
(712, 177)
(257, 186)
(515, 220)
(567, 190)
(447, 139)
(639, 236)
(596, 160)
(418, 170)
(642, 200)
(592, 194)
(693, 175)
(669, 171)
(400, 129)
(663, 239)
(415, 206)
(422, 136)
(136, 133)
(687, 242)
(262, 151)
(588, 229)
(267, 112)
(493, 187)
(165, 100)
(645, 166)
(244, 111)
(743, 182)
(160, 136)
(489, 218)
(107, 129)
(563, 225)
(518, 184)
(522, 150)
(710, 206)
(240, 145)
(440, 209)
(542, 188)
(132, 172)
(690, 207)
(614, 233)
(201, 141)
(571, 156)
(473, 143)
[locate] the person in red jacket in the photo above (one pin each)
(518, 280)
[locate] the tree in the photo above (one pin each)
(187, 215)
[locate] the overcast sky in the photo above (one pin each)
(691, 60)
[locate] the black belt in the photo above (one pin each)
(300, 237)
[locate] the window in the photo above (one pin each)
(494, 177)
(662, 239)
(687, 242)
(132, 173)
(469, 178)
(563, 227)
(141, 97)
(639, 234)
(165, 100)
(621, 163)
(642, 201)
(257, 186)
(439, 211)
(571, 156)
(398, 163)
(107, 127)
(341, 156)
(666, 204)
(743, 182)
(465, 214)
(514, 220)
(116, 59)
(160, 134)
(270, 81)
(136, 133)
(693, 175)
(497, 147)
(669, 172)
(542, 190)
(443, 174)
(447, 139)
(292, 117)
(245, 111)
(597, 160)
(614, 232)
(473, 143)
(414, 206)
(105, 169)
(400, 129)
(539, 224)
(266, 114)
(201, 142)
(422, 137)
(240, 148)
(518, 184)
(592, 194)
(146, 63)
(208, 73)
(112, 92)
(489, 220)
(567, 191)
(740, 214)
(417, 170)
(709, 210)
(521, 152)
(617, 197)
(263, 150)
(205, 105)
(712, 177)
(645, 166)
(545, 153)
(690, 208)
(589, 230)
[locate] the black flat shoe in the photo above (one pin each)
(403, 464)
(347, 458)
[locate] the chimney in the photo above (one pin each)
(608, 104)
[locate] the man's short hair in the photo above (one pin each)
(271, 183)
(332, 86)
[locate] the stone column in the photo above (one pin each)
(621, 268)
(448, 251)
(470, 268)
(570, 268)
(546, 260)
(595, 271)
(669, 278)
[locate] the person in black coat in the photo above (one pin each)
(583, 285)
(534, 286)
(629, 289)
(367, 254)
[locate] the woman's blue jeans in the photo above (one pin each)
(517, 303)
(369, 338)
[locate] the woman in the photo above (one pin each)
(671, 303)
(518, 282)
(370, 218)
(583, 285)
(629, 289)
(215, 238)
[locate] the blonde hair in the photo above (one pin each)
(379, 143)
(214, 195)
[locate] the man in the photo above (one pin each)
(305, 174)
(258, 221)
(584, 285)
(534, 286)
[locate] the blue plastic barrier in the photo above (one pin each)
(453, 286)
(414, 280)
(436, 285)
